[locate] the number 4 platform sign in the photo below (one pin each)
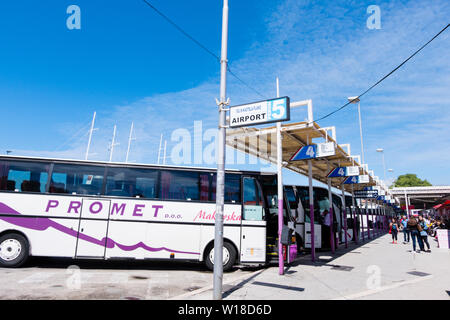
(344, 172)
(305, 153)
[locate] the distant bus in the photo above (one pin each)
(102, 210)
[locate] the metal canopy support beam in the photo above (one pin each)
(367, 220)
(330, 198)
(344, 212)
(280, 192)
(355, 230)
(311, 211)
(362, 219)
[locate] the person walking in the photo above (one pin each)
(424, 233)
(404, 223)
(414, 230)
(393, 230)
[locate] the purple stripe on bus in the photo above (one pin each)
(41, 224)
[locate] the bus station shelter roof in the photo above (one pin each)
(262, 143)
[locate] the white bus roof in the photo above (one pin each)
(128, 164)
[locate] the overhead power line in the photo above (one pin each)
(199, 44)
(385, 77)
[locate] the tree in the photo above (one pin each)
(410, 180)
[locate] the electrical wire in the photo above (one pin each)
(198, 43)
(384, 78)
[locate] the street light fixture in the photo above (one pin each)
(356, 100)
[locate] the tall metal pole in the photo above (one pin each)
(344, 206)
(367, 219)
(354, 215)
(130, 138)
(111, 150)
(90, 136)
(160, 146)
(165, 149)
(220, 184)
(360, 133)
(330, 198)
(406, 204)
(362, 219)
(384, 168)
(311, 211)
(280, 191)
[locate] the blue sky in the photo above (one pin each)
(128, 64)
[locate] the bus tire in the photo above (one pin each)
(14, 250)
(229, 255)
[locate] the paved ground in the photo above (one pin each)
(70, 279)
(375, 269)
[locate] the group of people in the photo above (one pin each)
(415, 228)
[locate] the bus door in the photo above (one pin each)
(297, 216)
(93, 228)
(253, 225)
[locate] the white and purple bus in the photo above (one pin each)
(103, 210)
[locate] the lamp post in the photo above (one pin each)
(356, 100)
(384, 165)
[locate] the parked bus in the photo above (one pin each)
(298, 202)
(101, 210)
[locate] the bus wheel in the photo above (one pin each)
(229, 257)
(14, 250)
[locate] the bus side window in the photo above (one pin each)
(77, 179)
(23, 176)
(180, 185)
(252, 206)
(131, 182)
(232, 188)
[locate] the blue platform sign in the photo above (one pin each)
(305, 153)
(352, 180)
(343, 172)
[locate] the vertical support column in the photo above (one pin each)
(362, 220)
(280, 193)
(367, 219)
(330, 197)
(355, 231)
(220, 183)
(311, 211)
(378, 218)
(345, 215)
(406, 205)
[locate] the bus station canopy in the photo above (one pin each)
(261, 143)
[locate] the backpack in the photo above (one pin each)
(412, 224)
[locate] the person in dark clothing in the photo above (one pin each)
(393, 230)
(414, 231)
(424, 233)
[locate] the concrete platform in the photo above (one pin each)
(374, 269)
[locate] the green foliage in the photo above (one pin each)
(410, 180)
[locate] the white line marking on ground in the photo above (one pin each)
(37, 277)
(384, 288)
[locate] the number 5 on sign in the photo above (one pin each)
(277, 109)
